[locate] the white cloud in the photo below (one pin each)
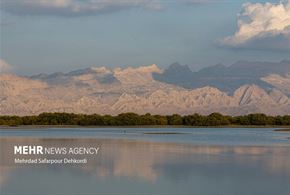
(262, 26)
(86, 7)
(4, 66)
(75, 7)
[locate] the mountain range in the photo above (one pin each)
(242, 88)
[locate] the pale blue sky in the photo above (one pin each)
(188, 33)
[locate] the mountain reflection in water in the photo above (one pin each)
(141, 167)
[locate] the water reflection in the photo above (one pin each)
(140, 167)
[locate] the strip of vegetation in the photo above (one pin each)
(132, 119)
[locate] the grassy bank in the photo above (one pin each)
(147, 120)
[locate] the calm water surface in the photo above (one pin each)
(205, 161)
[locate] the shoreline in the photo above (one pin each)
(281, 128)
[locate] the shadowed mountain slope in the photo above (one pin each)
(224, 78)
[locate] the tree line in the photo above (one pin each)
(132, 119)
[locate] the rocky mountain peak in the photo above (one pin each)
(142, 74)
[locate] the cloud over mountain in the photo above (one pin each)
(4, 66)
(262, 26)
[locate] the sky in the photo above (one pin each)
(62, 35)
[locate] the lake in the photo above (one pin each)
(149, 161)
